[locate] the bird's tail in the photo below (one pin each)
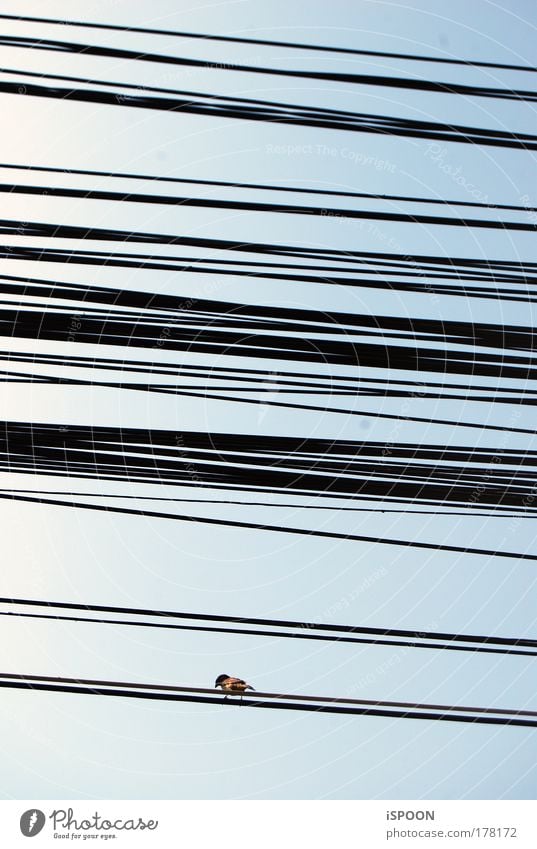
(249, 687)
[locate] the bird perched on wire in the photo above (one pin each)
(232, 685)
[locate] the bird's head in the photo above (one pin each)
(220, 679)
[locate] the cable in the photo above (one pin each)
(351, 78)
(307, 627)
(430, 279)
(261, 633)
(155, 310)
(357, 385)
(360, 707)
(274, 464)
(153, 178)
(470, 513)
(274, 208)
(252, 109)
(204, 390)
(268, 43)
(259, 526)
(437, 268)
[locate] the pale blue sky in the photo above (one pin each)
(70, 746)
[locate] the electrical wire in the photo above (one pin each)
(318, 704)
(157, 178)
(272, 208)
(252, 109)
(265, 42)
(340, 77)
(280, 623)
(494, 645)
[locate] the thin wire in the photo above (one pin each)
(276, 623)
(470, 513)
(274, 208)
(267, 43)
(493, 273)
(345, 77)
(252, 109)
(261, 186)
(259, 633)
(363, 707)
(259, 526)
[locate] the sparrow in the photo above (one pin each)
(232, 685)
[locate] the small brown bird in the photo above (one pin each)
(232, 685)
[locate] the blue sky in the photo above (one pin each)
(75, 747)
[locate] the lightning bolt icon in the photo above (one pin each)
(32, 821)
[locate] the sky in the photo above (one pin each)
(69, 746)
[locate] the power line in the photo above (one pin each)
(342, 77)
(204, 391)
(286, 506)
(469, 513)
(273, 208)
(278, 634)
(340, 384)
(360, 707)
(262, 526)
(275, 464)
(304, 628)
(432, 272)
(153, 178)
(437, 268)
(253, 109)
(268, 43)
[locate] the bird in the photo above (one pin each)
(232, 685)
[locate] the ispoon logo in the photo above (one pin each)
(32, 822)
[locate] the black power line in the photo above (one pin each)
(431, 272)
(252, 109)
(336, 384)
(275, 464)
(263, 526)
(470, 513)
(260, 633)
(359, 707)
(258, 206)
(153, 178)
(304, 629)
(267, 43)
(345, 77)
